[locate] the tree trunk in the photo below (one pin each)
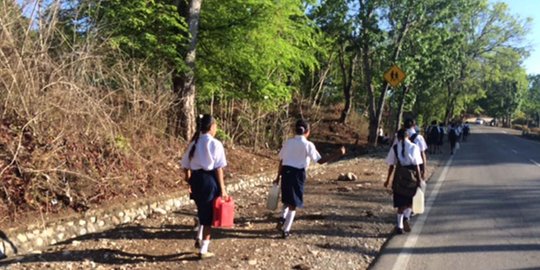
(401, 106)
(375, 112)
(348, 75)
(320, 84)
(184, 82)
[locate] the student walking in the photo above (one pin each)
(203, 165)
(295, 157)
(433, 134)
(453, 136)
(418, 139)
(442, 132)
(403, 160)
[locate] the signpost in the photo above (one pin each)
(394, 76)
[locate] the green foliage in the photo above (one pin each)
(254, 50)
(151, 30)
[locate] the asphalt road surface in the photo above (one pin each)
(483, 209)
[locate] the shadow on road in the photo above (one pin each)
(104, 256)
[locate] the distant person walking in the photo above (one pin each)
(466, 131)
(433, 136)
(442, 133)
(453, 136)
(418, 139)
(203, 165)
(403, 160)
(295, 157)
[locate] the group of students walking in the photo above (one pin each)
(457, 132)
(204, 160)
(203, 164)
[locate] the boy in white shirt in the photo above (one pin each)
(295, 157)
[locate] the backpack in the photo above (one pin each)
(434, 132)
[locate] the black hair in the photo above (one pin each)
(401, 137)
(204, 123)
(434, 122)
(301, 127)
(409, 122)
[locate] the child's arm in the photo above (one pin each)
(278, 177)
(335, 156)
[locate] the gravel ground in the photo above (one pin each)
(343, 225)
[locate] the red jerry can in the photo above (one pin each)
(223, 213)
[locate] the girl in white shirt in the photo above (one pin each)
(203, 165)
(406, 156)
(295, 156)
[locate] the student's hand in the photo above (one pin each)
(224, 195)
(276, 182)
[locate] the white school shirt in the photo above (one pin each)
(209, 154)
(412, 155)
(419, 140)
(297, 152)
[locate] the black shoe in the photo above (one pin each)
(406, 225)
(279, 225)
(285, 235)
(197, 244)
(399, 230)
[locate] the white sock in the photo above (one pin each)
(400, 221)
(200, 232)
(284, 212)
(204, 246)
(288, 221)
(407, 213)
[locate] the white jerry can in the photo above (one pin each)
(418, 201)
(273, 197)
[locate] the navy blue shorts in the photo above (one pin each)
(292, 186)
(204, 190)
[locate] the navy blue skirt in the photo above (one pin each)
(402, 201)
(292, 186)
(204, 190)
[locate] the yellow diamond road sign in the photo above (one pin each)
(394, 76)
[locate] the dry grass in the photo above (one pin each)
(71, 117)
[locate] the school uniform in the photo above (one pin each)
(411, 158)
(296, 155)
(441, 135)
(209, 155)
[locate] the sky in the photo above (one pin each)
(524, 9)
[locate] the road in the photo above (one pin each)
(483, 210)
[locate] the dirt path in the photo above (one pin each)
(343, 226)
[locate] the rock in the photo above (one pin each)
(369, 213)
(347, 177)
(301, 267)
(160, 211)
(345, 189)
(252, 262)
(76, 243)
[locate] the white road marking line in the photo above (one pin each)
(403, 258)
(515, 152)
(535, 163)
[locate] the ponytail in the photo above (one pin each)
(301, 127)
(204, 123)
(403, 148)
(401, 136)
